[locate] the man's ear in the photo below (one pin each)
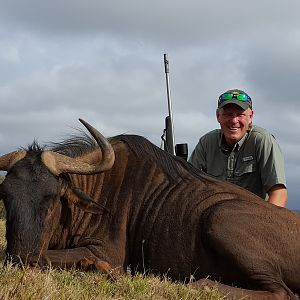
(251, 116)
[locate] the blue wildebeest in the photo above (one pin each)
(121, 202)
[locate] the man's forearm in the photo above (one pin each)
(278, 195)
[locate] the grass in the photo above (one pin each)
(52, 284)
(29, 284)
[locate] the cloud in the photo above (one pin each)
(158, 20)
(103, 61)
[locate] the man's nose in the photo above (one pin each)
(234, 118)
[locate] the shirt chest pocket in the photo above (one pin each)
(245, 167)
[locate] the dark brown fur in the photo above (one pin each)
(158, 214)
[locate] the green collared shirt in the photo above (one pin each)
(255, 162)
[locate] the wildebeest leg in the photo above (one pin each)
(81, 258)
(233, 293)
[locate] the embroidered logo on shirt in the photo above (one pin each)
(247, 158)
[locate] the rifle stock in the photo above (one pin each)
(169, 143)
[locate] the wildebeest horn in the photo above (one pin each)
(9, 159)
(97, 161)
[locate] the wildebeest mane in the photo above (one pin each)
(34, 147)
(173, 166)
(75, 145)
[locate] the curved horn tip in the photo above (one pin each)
(82, 121)
(87, 125)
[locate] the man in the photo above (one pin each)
(242, 153)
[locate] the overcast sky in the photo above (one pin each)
(102, 61)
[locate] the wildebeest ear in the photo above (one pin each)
(83, 201)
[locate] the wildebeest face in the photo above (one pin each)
(31, 197)
(32, 193)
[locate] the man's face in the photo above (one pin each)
(234, 122)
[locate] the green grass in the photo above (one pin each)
(52, 284)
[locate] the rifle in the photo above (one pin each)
(168, 133)
(169, 140)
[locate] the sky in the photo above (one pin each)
(102, 61)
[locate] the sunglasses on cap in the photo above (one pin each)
(235, 95)
(230, 96)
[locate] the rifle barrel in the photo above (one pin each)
(171, 130)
